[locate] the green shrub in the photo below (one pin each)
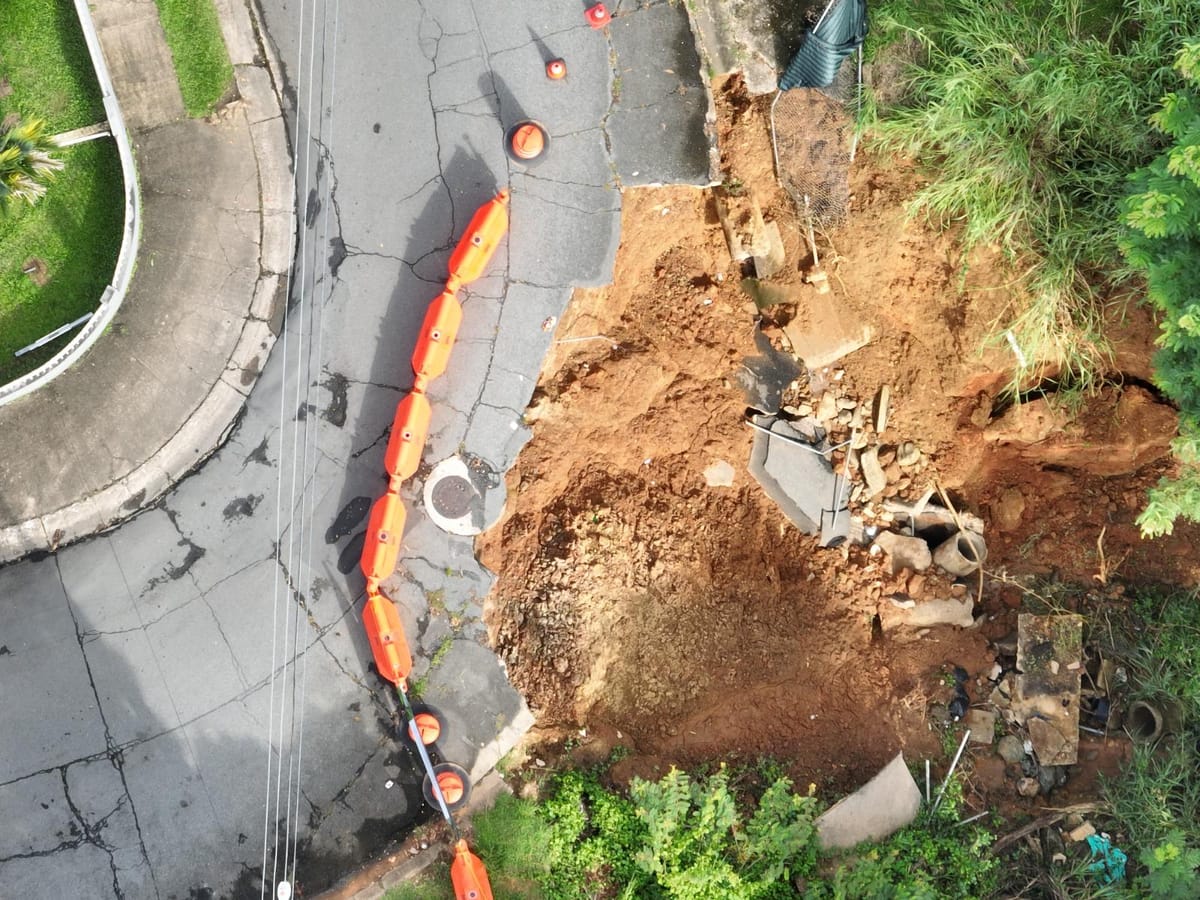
(1172, 869)
(934, 858)
(1163, 244)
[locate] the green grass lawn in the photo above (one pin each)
(45, 61)
(201, 61)
(75, 230)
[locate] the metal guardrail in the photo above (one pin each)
(114, 294)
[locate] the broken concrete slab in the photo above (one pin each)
(754, 37)
(923, 516)
(748, 235)
(905, 552)
(982, 725)
(882, 806)
(796, 475)
(927, 613)
(823, 332)
(1046, 697)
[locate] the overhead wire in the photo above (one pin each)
(275, 589)
(317, 335)
(281, 751)
(300, 413)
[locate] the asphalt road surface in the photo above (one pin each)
(187, 703)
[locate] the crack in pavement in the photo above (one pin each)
(114, 754)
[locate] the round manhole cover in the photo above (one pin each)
(452, 496)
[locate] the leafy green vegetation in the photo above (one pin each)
(45, 60)
(1030, 115)
(70, 239)
(690, 837)
(1163, 244)
(201, 62)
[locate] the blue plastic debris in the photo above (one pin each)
(1108, 863)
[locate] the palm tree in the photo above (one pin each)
(25, 162)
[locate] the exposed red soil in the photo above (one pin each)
(696, 621)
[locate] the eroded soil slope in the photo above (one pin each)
(681, 608)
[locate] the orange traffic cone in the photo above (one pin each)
(556, 69)
(598, 16)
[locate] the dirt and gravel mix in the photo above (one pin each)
(685, 617)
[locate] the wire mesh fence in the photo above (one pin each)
(813, 128)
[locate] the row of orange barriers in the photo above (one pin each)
(385, 527)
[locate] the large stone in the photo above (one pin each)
(982, 725)
(1011, 749)
(873, 473)
(905, 552)
(882, 806)
(927, 613)
(1008, 509)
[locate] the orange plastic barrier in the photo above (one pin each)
(410, 428)
(479, 242)
(436, 340)
(382, 546)
(468, 875)
(386, 635)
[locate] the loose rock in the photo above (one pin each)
(827, 407)
(719, 474)
(1028, 787)
(905, 552)
(882, 400)
(1010, 748)
(873, 473)
(1082, 832)
(907, 454)
(982, 724)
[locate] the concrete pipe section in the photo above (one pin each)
(961, 554)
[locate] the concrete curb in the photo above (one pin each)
(114, 294)
(207, 428)
(374, 882)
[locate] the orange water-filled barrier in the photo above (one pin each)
(483, 235)
(381, 548)
(432, 355)
(468, 875)
(381, 620)
(410, 428)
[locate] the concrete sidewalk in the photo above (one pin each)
(159, 391)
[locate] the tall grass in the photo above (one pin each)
(1031, 114)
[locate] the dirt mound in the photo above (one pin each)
(681, 608)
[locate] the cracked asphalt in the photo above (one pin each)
(154, 689)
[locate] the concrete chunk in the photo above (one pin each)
(1046, 699)
(905, 552)
(927, 613)
(882, 806)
